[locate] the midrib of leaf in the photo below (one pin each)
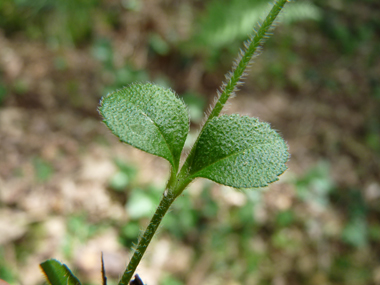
(226, 157)
(162, 135)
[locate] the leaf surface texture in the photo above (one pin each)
(239, 151)
(148, 117)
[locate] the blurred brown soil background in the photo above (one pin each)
(317, 82)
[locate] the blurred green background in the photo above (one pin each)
(69, 189)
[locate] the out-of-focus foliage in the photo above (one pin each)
(196, 105)
(3, 92)
(124, 177)
(224, 24)
(68, 21)
(6, 271)
(43, 170)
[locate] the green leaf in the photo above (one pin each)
(241, 152)
(58, 273)
(148, 117)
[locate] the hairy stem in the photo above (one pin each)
(178, 182)
(143, 243)
(252, 47)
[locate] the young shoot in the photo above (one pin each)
(233, 150)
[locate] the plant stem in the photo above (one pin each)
(252, 47)
(143, 243)
(178, 181)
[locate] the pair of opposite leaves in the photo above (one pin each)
(233, 150)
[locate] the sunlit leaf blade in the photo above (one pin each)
(148, 117)
(241, 152)
(58, 274)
